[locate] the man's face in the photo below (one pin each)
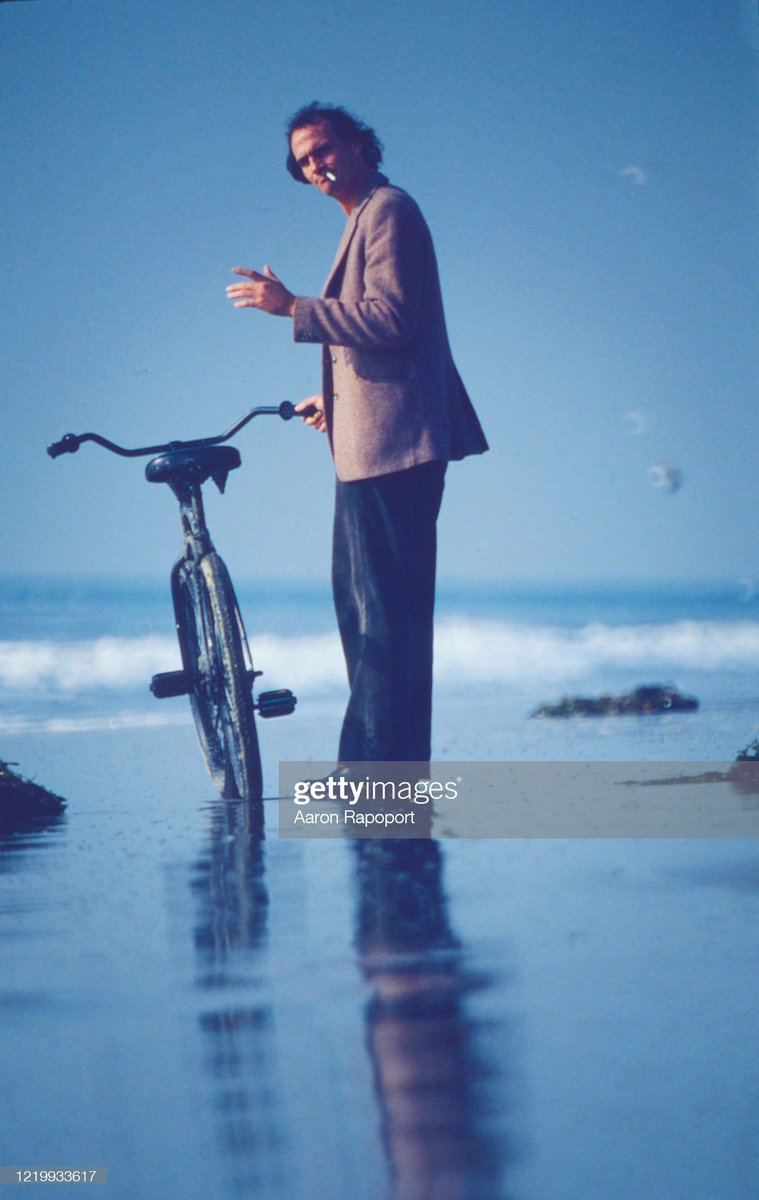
(317, 149)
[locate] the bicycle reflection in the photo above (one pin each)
(232, 910)
(425, 1048)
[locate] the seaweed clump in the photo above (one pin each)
(749, 753)
(23, 800)
(648, 699)
(744, 772)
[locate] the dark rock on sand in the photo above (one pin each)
(24, 803)
(648, 699)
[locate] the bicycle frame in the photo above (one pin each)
(197, 539)
(197, 545)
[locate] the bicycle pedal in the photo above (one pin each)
(279, 703)
(170, 683)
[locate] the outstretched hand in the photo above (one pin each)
(266, 292)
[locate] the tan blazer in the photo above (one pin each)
(393, 396)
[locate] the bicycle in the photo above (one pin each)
(217, 666)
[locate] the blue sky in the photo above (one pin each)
(589, 170)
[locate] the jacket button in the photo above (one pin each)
(334, 358)
(334, 395)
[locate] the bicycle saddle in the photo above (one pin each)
(193, 465)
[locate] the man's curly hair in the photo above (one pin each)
(347, 127)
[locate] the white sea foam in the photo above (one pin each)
(496, 652)
(107, 662)
(471, 651)
(16, 725)
(119, 664)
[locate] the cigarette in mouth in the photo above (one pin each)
(330, 176)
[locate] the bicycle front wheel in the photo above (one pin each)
(211, 634)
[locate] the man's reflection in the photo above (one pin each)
(428, 1076)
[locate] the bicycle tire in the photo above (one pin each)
(210, 630)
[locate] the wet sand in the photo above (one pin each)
(206, 1010)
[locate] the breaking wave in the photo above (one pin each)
(494, 652)
(471, 651)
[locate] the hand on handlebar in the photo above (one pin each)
(311, 412)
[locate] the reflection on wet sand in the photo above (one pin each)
(22, 833)
(228, 882)
(425, 1050)
(428, 1073)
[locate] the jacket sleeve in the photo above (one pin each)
(380, 307)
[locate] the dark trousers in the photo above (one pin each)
(383, 578)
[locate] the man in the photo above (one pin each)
(395, 411)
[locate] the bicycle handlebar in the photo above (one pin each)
(70, 442)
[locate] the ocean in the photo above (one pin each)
(77, 655)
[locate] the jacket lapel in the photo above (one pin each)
(349, 230)
(342, 250)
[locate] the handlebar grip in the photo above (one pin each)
(287, 411)
(69, 444)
